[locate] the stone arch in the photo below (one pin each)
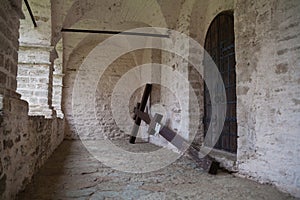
(203, 14)
(83, 45)
(71, 65)
(125, 11)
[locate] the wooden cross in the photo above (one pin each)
(207, 163)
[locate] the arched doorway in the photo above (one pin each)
(219, 43)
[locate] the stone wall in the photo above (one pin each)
(35, 73)
(267, 52)
(9, 19)
(81, 45)
(25, 142)
(58, 81)
(36, 60)
(107, 127)
(267, 55)
(107, 84)
(10, 13)
(196, 81)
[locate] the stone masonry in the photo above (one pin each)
(36, 61)
(76, 174)
(39, 101)
(25, 141)
(267, 71)
(267, 54)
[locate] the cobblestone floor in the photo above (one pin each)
(73, 173)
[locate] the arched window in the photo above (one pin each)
(219, 43)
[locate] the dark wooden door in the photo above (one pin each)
(219, 44)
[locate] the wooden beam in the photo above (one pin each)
(114, 32)
(142, 107)
(207, 163)
(30, 13)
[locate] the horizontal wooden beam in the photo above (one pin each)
(30, 13)
(114, 32)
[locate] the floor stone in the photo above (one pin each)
(73, 173)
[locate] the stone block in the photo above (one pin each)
(1, 60)
(7, 144)
(3, 78)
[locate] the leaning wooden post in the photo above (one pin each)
(142, 107)
(138, 105)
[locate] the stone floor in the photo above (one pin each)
(73, 173)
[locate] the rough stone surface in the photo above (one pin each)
(107, 83)
(36, 62)
(58, 81)
(267, 56)
(35, 79)
(10, 14)
(73, 173)
(25, 142)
